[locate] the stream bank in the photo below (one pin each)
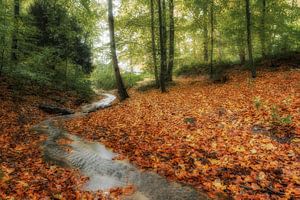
(97, 162)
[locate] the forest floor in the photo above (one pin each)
(239, 139)
(23, 172)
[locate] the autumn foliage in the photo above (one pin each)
(239, 139)
(23, 172)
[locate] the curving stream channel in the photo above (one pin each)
(95, 161)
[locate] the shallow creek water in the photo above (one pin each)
(95, 161)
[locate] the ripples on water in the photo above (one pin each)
(97, 162)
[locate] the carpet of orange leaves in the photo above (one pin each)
(202, 134)
(23, 172)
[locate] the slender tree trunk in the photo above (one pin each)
(211, 37)
(3, 39)
(241, 45)
(172, 41)
(205, 33)
(220, 47)
(165, 32)
(67, 63)
(162, 47)
(263, 29)
(66, 73)
(249, 38)
(154, 43)
(2, 61)
(14, 47)
(120, 84)
(242, 55)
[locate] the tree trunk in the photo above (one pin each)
(154, 43)
(242, 56)
(66, 66)
(205, 33)
(3, 39)
(220, 47)
(165, 33)
(263, 30)
(120, 84)
(162, 46)
(211, 37)
(14, 46)
(249, 38)
(2, 60)
(172, 41)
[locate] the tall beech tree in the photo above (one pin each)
(205, 31)
(153, 42)
(120, 84)
(249, 39)
(211, 37)
(162, 41)
(38, 37)
(262, 30)
(14, 47)
(171, 41)
(3, 34)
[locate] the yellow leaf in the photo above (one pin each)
(269, 146)
(219, 185)
(261, 176)
(239, 149)
(253, 151)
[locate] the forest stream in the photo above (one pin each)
(97, 162)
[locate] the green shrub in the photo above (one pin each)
(131, 79)
(191, 69)
(46, 69)
(257, 103)
(104, 78)
(197, 68)
(147, 86)
(278, 118)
